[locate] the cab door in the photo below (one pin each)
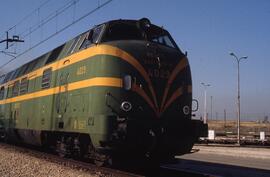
(8, 110)
(62, 99)
(43, 105)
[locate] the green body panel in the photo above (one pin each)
(82, 110)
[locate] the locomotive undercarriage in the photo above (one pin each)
(158, 140)
(150, 140)
(78, 146)
(154, 139)
(70, 145)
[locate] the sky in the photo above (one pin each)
(208, 30)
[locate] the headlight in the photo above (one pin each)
(127, 82)
(186, 110)
(126, 106)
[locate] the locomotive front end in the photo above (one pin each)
(153, 116)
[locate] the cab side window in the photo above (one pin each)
(9, 91)
(15, 90)
(24, 86)
(2, 92)
(92, 37)
(46, 78)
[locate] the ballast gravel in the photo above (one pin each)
(20, 163)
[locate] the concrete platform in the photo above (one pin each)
(226, 161)
(235, 151)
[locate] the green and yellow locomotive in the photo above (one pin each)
(122, 87)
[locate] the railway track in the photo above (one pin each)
(71, 163)
(161, 171)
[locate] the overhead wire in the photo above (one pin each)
(57, 32)
(50, 17)
(27, 16)
(46, 20)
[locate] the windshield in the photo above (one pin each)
(123, 31)
(160, 36)
(130, 30)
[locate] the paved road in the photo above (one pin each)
(227, 164)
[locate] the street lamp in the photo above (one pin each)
(211, 108)
(238, 94)
(205, 116)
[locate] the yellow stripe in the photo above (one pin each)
(142, 93)
(90, 52)
(97, 81)
(175, 95)
(181, 65)
(83, 55)
(131, 60)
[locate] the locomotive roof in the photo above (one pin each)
(59, 52)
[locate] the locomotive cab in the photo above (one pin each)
(153, 110)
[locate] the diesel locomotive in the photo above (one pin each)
(123, 87)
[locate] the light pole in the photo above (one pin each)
(211, 107)
(238, 94)
(204, 114)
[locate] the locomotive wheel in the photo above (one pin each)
(61, 148)
(100, 159)
(3, 136)
(103, 159)
(189, 142)
(99, 163)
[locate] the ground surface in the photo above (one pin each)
(226, 161)
(20, 163)
(217, 161)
